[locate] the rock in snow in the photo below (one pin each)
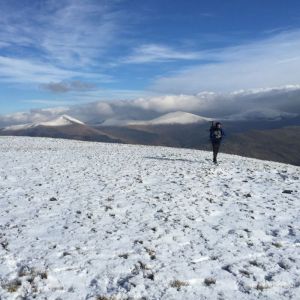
(154, 223)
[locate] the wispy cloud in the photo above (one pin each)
(28, 71)
(159, 53)
(79, 31)
(71, 33)
(273, 61)
(207, 15)
(60, 41)
(71, 86)
(48, 102)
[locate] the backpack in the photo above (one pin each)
(217, 133)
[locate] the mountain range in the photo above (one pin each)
(268, 139)
(62, 127)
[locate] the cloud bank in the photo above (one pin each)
(271, 103)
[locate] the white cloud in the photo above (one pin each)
(71, 33)
(68, 86)
(104, 109)
(283, 101)
(263, 114)
(34, 116)
(48, 102)
(159, 53)
(169, 103)
(24, 71)
(27, 71)
(56, 110)
(53, 41)
(270, 62)
(78, 31)
(271, 103)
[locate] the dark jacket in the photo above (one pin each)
(216, 134)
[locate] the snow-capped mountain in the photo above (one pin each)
(273, 140)
(63, 120)
(178, 117)
(61, 127)
(18, 127)
(112, 221)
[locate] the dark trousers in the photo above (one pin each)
(216, 147)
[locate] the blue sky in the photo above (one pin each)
(58, 53)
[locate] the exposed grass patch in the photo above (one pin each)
(12, 286)
(151, 253)
(209, 281)
(257, 264)
(262, 286)
(124, 255)
(277, 244)
(26, 271)
(245, 272)
(105, 298)
(178, 284)
(143, 266)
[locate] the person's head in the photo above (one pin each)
(218, 125)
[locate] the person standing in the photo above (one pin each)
(216, 135)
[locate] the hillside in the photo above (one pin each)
(276, 144)
(276, 140)
(109, 221)
(64, 127)
(63, 120)
(178, 117)
(281, 144)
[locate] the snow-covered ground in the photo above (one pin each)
(82, 220)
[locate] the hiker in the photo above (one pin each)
(216, 135)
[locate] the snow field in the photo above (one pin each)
(84, 220)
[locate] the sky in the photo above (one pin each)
(146, 55)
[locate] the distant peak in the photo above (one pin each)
(69, 118)
(62, 120)
(178, 117)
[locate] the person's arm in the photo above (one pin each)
(211, 133)
(223, 132)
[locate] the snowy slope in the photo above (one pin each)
(18, 127)
(86, 220)
(63, 120)
(178, 117)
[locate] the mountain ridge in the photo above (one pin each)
(63, 120)
(276, 140)
(177, 117)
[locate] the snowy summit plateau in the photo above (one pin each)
(84, 220)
